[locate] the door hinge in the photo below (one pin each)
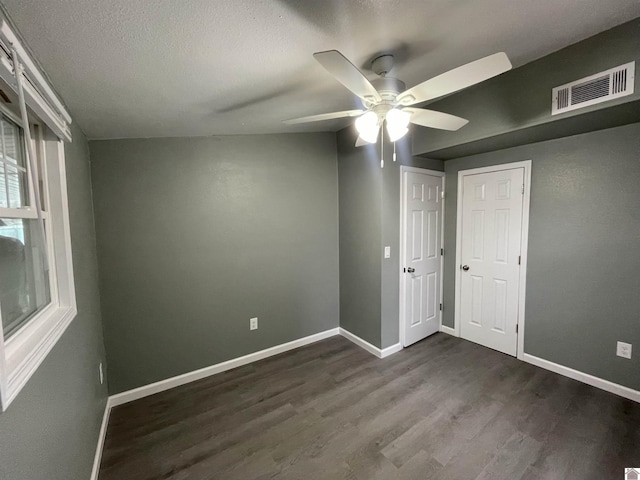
(404, 270)
(442, 251)
(516, 328)
(523, 188)
(519, 260)
(440, 307)
(442, 194)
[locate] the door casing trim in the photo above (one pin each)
(524, 244)
(403, 228)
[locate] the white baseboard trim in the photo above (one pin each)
(103, 433)
(162, 385)
(597, 382)
(448, 330)
(395, 348)
(157, 387)
(137, 393)
(380, 353)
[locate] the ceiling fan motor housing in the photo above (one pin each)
(388, 88)
(382, 65)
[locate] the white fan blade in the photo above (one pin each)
(360, 142)
(433, 119)
(324, 116)
(456, 79)
(346, 73)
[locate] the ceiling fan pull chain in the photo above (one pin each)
(381, 149)
(394, 151)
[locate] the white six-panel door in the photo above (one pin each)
(491, 233)
(421, 262)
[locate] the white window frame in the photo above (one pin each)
(23, 352)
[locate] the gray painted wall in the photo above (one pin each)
(521, 98)
(197, 235)
(583, 261)
(51, 429)
(369, 221)
(360, 190)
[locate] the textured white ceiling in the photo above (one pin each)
(151, 68)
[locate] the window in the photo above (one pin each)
(25, 288)
(37, 298)
(37, 295)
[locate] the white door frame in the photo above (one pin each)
(524, 243)
(403, 231)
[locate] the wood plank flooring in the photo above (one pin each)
(443, 409)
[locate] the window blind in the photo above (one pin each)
(39, 95)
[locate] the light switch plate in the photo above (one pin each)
(624, 350)
(387, 252)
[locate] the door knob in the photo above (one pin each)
(465, 267)
(411, 270)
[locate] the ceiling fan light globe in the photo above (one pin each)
(368, 127)
(370, 136)
(396, 133)
(398, 118)
(397, 123)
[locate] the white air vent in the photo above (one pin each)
(601, 87)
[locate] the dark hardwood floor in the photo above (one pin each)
(444, 408)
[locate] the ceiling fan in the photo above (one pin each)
(387, 101)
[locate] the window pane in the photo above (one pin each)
(13, 169)
(24, 281)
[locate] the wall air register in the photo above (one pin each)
(601, 87)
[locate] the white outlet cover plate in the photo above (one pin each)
(253, 323)
(624, 350)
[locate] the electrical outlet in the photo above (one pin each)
(624, 350)
(101, 374)
(253, 323)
